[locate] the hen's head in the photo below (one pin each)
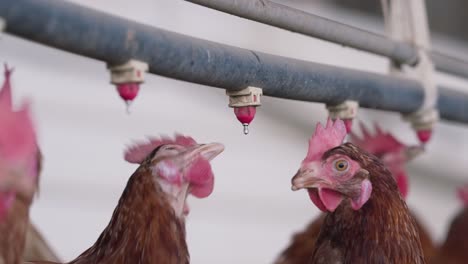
(181, 166)
(329, 174)
(390, 150)
(19, 154)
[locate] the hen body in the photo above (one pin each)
(303, 243)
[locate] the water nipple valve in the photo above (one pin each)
(127, 78)
(245, 103)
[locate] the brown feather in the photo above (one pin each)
(302, 243)
(429, 248)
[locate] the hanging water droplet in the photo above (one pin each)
(128, 105)
(246, 129)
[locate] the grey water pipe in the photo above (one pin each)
(112, 39)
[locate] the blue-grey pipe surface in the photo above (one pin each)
(285, 17)
(288, 18)
(112, 39)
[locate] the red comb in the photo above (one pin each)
(325, 138)
(380, 142)
(138, 152)
(17, 132)
(462, 193)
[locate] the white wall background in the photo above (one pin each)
(252, 212)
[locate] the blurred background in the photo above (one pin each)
(84, 128)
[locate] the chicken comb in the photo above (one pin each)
(139, 151)
(325, 138)
(380, 142)
(462, 194)
(17, 132)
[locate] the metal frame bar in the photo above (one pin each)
(94, 34)
(288, 18)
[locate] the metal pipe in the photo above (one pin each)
(295, 20)
(112, 39)
(288, 18)
(448, 64)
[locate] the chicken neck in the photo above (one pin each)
(13, 232)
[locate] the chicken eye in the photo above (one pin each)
(341, 165)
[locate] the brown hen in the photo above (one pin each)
(368, 220)
(394, 154)
(148, 224)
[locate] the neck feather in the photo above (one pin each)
(13, 232)
(383, 225)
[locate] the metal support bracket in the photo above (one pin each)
(407, 21)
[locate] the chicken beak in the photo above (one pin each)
(413, 152)
(305, 179)
(207, 151)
